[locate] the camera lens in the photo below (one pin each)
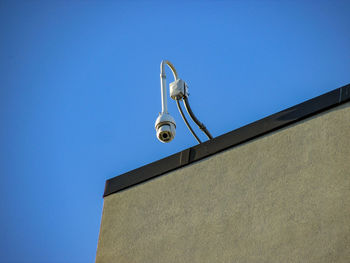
(165, 135)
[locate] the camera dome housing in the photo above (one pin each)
(165, 127)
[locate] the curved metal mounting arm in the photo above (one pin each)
(163, 83)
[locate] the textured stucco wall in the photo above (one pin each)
(284, 197)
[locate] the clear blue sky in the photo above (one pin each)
(79, 94)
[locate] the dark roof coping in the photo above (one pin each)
(251, 131)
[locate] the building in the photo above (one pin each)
(276, 190)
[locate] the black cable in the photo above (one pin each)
(200, 125)
(185, 120)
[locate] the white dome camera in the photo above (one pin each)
(165, 126)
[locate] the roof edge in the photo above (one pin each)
(241, 135)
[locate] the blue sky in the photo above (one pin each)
(80, 91)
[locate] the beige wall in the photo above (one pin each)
(284, 197)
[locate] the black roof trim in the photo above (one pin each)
(230, 139)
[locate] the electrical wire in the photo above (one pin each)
(185, 120)
(199, 124)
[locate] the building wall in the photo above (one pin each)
(283, 197)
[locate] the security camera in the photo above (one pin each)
(165, 126)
